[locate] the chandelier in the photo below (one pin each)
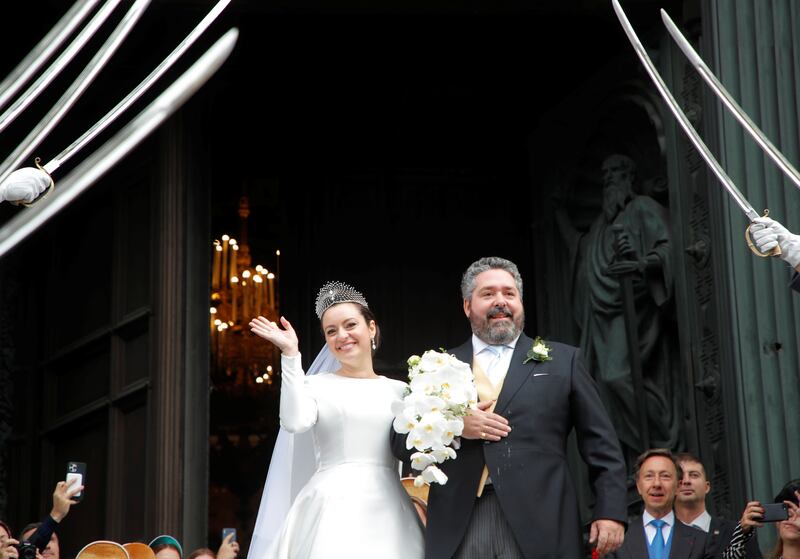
(239, 293)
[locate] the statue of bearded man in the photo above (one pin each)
(630, 236)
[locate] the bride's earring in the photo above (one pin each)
(374, 347)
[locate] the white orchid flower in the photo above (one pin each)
(428, 431)
(405, 421)
(442, 454)
(424, 404)
(432, 474)
(453, 429)
(432, 360)
(421, 460)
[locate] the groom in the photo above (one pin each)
(509, 492)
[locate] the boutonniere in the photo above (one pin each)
(540, 351)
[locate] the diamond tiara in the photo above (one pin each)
(335, 292)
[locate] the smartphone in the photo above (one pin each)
(226, 531)
(76, 470)
(775, 512)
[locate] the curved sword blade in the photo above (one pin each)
(729, 102)
(44, 49)
(138, 91)
(59, 64)
(694, 137)
(75, 90)
(97, 164)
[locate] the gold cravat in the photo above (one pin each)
(486, 391)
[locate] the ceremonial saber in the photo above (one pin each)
(694, 137)
(55, 68)
(75, 90)
(137, 92)
(44, 49)
(97, 164)
(726, 98)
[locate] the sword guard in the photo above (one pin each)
(748, 238)
(38, 162)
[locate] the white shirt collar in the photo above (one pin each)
(669, 519)
(703, 521)
(478, 345)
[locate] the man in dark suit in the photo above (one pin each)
(725, 539)
(509, 492)
(657, 534)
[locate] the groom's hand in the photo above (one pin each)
(486, 425)
(608, 535)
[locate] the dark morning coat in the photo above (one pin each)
(688, 542)
(543, 402)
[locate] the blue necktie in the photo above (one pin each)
(657, 546)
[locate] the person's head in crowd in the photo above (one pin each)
(788, 545)
(138, 550)
(52, 551)
(7, 543)
(202, 553)
(693, 485)
(657, 474)
(789, 492)
(5, 533)
(166, 547)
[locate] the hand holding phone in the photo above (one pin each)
(76, 471)
(775, 512)
(226, 532)
(229, 549)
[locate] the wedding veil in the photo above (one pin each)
(292, 465)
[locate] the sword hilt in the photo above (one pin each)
(749, 239)
(38, 162)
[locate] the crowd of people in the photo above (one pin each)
(675, 523)
(39, 540)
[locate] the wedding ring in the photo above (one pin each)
(483, 435)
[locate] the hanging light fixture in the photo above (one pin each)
(239, 293)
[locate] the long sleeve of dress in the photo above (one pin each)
(298, 406)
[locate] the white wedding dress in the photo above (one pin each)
(354, 505)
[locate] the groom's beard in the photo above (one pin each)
(614, 199)
(497, 332)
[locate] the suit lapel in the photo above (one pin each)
(635, 540)
(464, 352)
(517, 373)
(682, 541)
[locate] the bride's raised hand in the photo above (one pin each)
(285, 339)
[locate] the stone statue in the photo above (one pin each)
(625, 257)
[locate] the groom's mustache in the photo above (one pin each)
(499, 312)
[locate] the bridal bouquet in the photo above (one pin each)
(440, 392)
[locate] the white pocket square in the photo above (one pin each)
(540, 374)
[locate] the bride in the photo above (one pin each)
(354, 504)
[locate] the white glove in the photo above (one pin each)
(768, 233)
(24, 185)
